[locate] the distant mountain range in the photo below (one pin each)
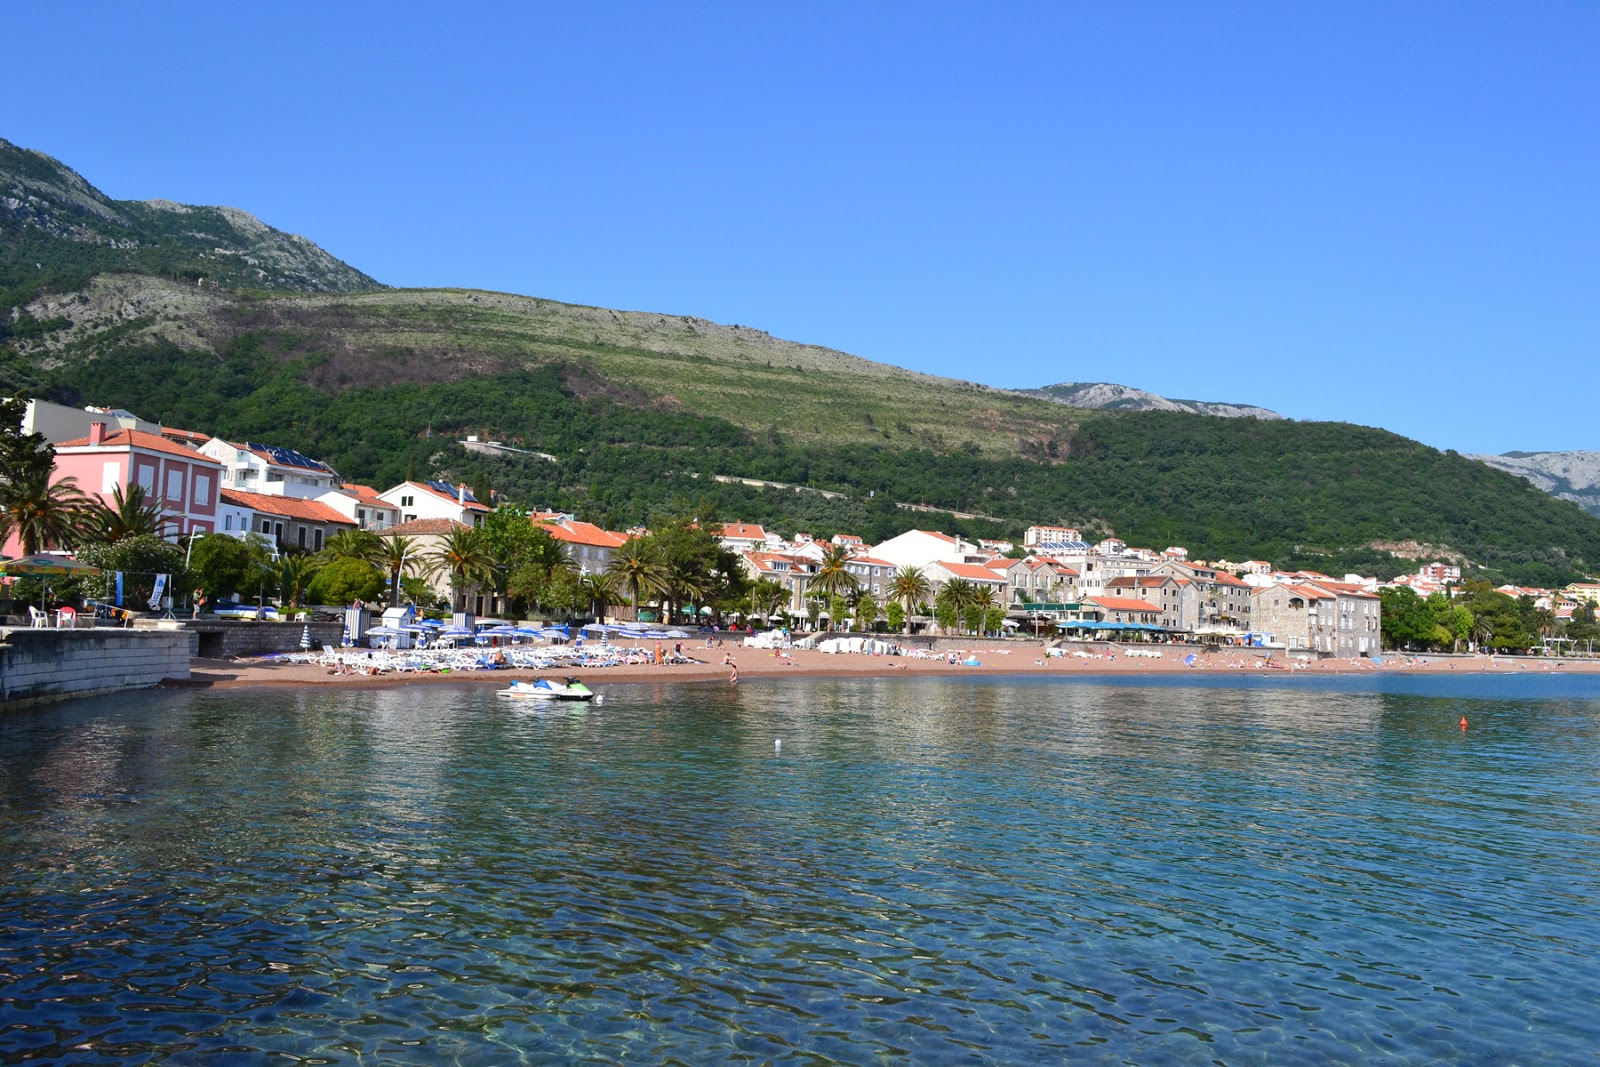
(1110, 397)
(208, 319)
(1571, 476)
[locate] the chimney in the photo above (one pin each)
(97, 433)
(461, 494)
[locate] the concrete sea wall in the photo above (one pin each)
(37, 666)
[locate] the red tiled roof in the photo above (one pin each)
(364, 493)
(583, 533)
(972, 572)
(150, 442)
(288, 506)
(743, 531)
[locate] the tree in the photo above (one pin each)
(22, 455)
(765, 597)
(230, 566)
(954, 598)
(908, 589)
(895, 615)
(865, 608)
(464, 557)
(294, 574)
(398, 556)
(638, 570)
(363, 546)
(344, 581)
(140, 558)
(600, 590)
(40, 513)
(833, 578)
(129, 514)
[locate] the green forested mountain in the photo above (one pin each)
(642, 411)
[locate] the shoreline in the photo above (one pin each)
(755, 663)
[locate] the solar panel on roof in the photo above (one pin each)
(1064, 546)
(447, 489)
(287, 457)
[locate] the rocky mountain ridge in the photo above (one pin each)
(45, 205)
(1110, 397)
(1571, 476)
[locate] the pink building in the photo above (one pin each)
(183, 483)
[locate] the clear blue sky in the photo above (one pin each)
(1371, 212)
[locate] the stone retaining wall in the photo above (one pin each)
(45, 665)
(219, 638)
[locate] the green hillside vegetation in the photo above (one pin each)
(642, 410)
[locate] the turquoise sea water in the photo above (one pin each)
(1185, 870)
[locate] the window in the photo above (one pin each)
(274, 476)
(147, 477)
(318, 545)
(175, 486)
(408, 501)
(202, 490)
(227, 523)
(266, 527)
(302, 538)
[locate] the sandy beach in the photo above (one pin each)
(760, 664)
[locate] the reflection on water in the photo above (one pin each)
(983, 870)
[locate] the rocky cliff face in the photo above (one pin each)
(1569, 475)
(51, 215)
(1126, 398)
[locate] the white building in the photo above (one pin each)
(362, 505)
(271, 470)
(919, 548)
(435, 500)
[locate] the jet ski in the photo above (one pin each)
(544, 689)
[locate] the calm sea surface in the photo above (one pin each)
(1219, 870)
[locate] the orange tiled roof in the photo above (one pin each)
(583, 533)
(972, 572)
(150, 442)
(288, 506)
(743, 531)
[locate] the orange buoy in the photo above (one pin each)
(1463, 722)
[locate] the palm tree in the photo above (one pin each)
(765, 597)
(294, 574)
(465, 558)
(638, 570)
(41, 513)
(601, 590)
(130, 514)
(832, 578)
(361, 545)
(956, 596)
(396, 555)
(909, 588)
(686, 583)
(984, 599)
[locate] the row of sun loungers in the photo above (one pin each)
(431, 661)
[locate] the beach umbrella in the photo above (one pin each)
(1189, 660)
(44, 565)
